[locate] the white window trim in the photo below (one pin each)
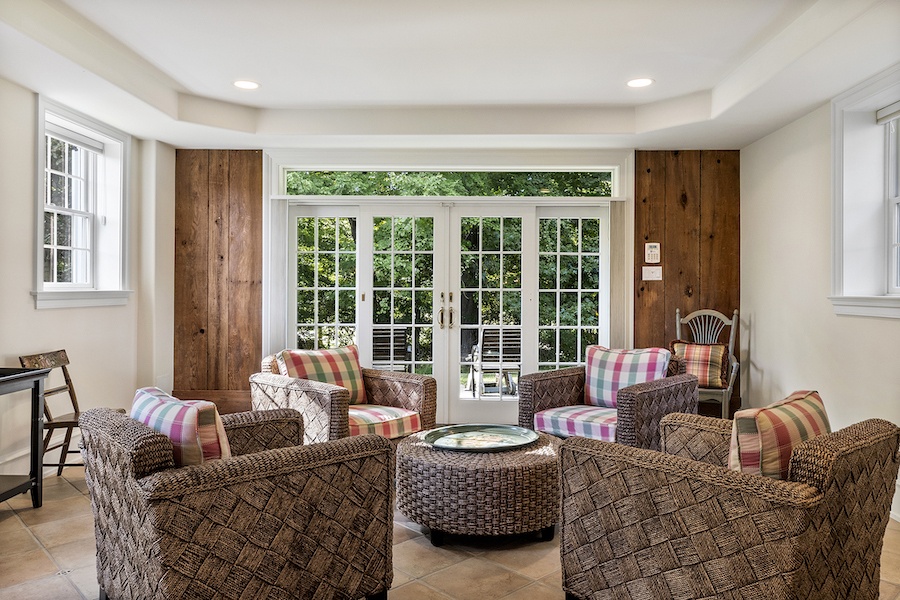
(850, 180)
(276, 204)
(107, 294)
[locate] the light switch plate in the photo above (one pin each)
(651, 273)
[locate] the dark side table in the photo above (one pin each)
(15, 380)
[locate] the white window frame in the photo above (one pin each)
(276, 204)
(106, 284)
(892, 198)
(861, 236)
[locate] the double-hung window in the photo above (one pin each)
(81, 211)
(866, 188)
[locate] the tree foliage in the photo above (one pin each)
(449, 183)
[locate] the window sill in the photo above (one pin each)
(81, 299)
(867, 306)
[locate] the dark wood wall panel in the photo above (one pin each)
(689, 201)
(191, 251)
(218, 274)
(681, 246)
(649, 226)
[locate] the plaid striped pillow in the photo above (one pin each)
(337, 366)
(707, 361)
(193, 426)
(762, 439)
(606, 371)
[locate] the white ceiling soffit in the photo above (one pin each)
(404, 74)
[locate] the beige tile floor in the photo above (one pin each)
(48, 553)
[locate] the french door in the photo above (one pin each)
(472, 293)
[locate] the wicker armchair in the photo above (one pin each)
(324, 406)
(640, 407)
(275, 520)
(677, 524)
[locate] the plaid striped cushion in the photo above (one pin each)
(586, 421)
(193, 426)
(709, 362)
(762, 439)
(387, 421)
(606, 371)
(338, 366)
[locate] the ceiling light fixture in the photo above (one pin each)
(245, 84)
(642, 82)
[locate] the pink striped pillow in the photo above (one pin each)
(606, 371)
(337, 366)
(762, 439)
(193, 426)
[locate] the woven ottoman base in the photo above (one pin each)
(479, 493)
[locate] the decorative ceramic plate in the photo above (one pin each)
(480, 437)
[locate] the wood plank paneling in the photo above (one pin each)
(245, 269)
(720, 221)
(649, 226)
(218, 273)
(191, 250)
(693, 209)
(681, 248)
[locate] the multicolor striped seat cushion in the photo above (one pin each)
(586, 421)
(387, 421)
(607, 371)
(709, 362)
(762, 439)
(193, 426)
(337, 366)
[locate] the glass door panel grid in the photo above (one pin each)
(569, 290)
(490, 315)
(403, 289)
(326, 282)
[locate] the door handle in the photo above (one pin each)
(451, 317)
(441, 317)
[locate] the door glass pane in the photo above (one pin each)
(403, 282)
(569, 294)
(326, 282)
(490, 341)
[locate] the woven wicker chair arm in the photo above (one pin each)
(288, 468)
(862, 445)
(323, 406)
(696, 437)
(411, 391)
(642, 406)
(255, 431)
(582, 457)
(549, 389)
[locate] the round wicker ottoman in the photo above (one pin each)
(479, 493)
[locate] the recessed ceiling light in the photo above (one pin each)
(246, 84)
(643, 82)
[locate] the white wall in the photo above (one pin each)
(791, 339)
(102, 342)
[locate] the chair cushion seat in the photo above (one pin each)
(387, 421)
(593, 422)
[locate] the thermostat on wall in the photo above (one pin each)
(651, 252)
